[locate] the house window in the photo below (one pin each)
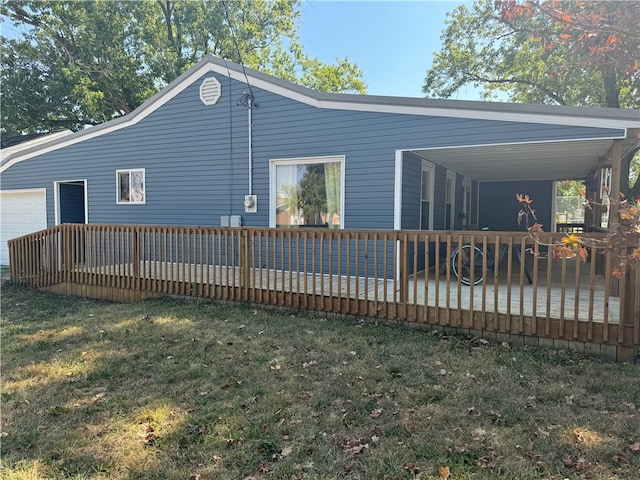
(450, 200)
(426, 196)
(467, 201)
(307, 192)
(130, 187)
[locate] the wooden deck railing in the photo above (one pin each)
(395, 275)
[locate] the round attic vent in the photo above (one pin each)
(210, 91)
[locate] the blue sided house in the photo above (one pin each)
(225, 146)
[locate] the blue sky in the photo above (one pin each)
(391, 41)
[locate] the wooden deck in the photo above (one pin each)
(361, 273)
(558, 301)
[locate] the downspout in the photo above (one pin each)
(250, 108)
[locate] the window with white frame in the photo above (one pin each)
(426, 196)
(307, 192)
(130, 187)
(450, 201)
(467, 201)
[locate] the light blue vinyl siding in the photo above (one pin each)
(501, 209)
(196, 157)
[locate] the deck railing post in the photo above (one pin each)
(636, 304)
(243, 248)
(628, 294)
(135, 256)
(67, 248)
(404, 270)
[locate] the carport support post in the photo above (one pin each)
(627, 296)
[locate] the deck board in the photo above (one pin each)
(294, 282)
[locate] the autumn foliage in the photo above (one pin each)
(600, 33)
(623, 239)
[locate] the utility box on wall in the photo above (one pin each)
(230, 221)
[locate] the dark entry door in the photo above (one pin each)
(72, 203)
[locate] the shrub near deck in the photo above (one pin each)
(173, 389)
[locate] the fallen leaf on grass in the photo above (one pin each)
(444, 472)
(354, 446)
(376, 412)
(620, 458)
(312, 363)
(412, 468)
(286, 451)
(576, 464)
(150, 436)
(634, 447)
(98, 396)
(303, 466)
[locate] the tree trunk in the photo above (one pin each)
(611, 90)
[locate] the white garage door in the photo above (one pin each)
(21, 212)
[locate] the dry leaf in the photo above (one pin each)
(412, 468)
(620, 458)
(354, 446)
(150, 438)
(98, 397)
(376, 412)
(286, 451)
(634, 447)
(444, 472)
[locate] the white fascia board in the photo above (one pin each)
(486, 115)
(379, 107)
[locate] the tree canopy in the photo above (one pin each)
(581, 53)
(584, 53)
(79, 63)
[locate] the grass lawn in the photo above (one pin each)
(172, 389)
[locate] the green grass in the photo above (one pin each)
(172, 389)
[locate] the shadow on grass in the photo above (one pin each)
(178, 389)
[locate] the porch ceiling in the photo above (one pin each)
(531, 161)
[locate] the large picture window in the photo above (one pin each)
(130, 187)
(307, 192)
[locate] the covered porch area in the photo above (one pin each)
(474, 186)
